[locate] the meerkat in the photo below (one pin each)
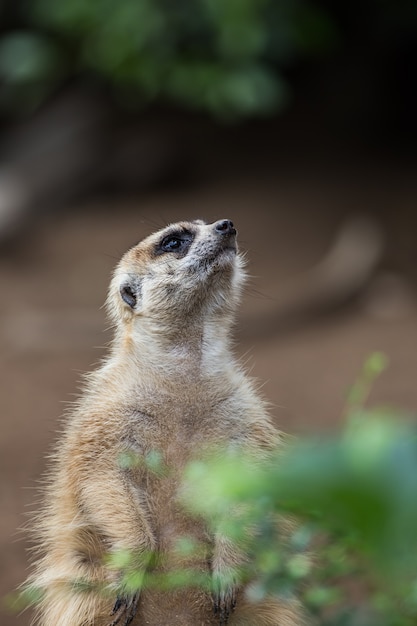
(170, 385)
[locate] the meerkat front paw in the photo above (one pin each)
(124, 609)
(224, 603)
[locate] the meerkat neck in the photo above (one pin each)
(194, 350)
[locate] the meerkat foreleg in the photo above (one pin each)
(115, 507)
(227, 562)
(92, 548)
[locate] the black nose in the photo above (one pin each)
(225, 227)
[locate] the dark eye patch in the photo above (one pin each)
(177, 242)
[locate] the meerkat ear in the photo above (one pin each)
(129, 294)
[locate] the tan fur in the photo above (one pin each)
(171, 386)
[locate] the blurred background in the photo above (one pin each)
(294, 118)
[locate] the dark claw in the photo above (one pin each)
(124, 610)
(117, 605)
(224, 603)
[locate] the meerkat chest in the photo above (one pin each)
(164, 443)
(176, 436)
(172, 432)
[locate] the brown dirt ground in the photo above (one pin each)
(54, 283)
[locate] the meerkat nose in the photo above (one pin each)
(225, 227)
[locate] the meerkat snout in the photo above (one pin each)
(225, 227)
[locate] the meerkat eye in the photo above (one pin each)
(128, 296)
(175, 242)
(171, 243)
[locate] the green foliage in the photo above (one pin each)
(222, 56)
(30, 67)
(356, 497)
(152, 461)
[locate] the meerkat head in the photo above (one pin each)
(183, 270)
